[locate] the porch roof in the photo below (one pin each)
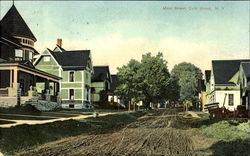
(28, 69)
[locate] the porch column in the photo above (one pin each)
(11, 78)
(46, 84)
(15, 75)
(54, 88)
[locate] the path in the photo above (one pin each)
(33, 122)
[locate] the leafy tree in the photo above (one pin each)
(148, 80)
(186, 75)
(129, 80)
(156, 78)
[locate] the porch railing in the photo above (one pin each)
(3, 91)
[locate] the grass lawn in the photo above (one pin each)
(23, 137)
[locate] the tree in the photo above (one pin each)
(156, 78)
(148, 80)
(186, 75)
(129, 81)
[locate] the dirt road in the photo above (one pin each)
(149, 135)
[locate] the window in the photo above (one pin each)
(230, 99)
(71, 76)
(46, 58)
(18, 53)
(71, 94)
(30, 55)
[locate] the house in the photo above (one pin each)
(100, 82)
(243, 80)
(18, 77)
(75, 68)
(222, 83)
(112, 96)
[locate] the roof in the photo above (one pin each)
(115, 82)
(61, 49)
(7, 37)
(246, 68)
(14, 23)
(100, 73)
(28, 66)
(224, 70)
(26, 63)
(207, 75)
(72, 60)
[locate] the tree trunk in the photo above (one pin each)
(129, 105)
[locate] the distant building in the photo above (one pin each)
(18, 77)
(100, 82)
(112, 96)
(75, 68)
(222, 83)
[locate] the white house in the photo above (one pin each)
(222, 83)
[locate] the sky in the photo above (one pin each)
(117, 31)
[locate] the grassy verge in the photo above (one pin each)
(23, 137)
(218, 136)
(233, 136)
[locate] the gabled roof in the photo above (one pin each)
(15, 24)
(72, 60)
(100, 74)
(60, 49)
(207, 75)
(115, 82)
(246, 68)
(224, 70)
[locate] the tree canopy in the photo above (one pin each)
(147, 80)
(186, 75)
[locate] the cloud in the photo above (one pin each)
(115, 50)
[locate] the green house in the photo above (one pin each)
(75, 69)
(100, 82)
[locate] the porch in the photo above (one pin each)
(18, 85)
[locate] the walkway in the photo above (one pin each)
(34, 122)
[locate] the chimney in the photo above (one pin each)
(59, 42)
